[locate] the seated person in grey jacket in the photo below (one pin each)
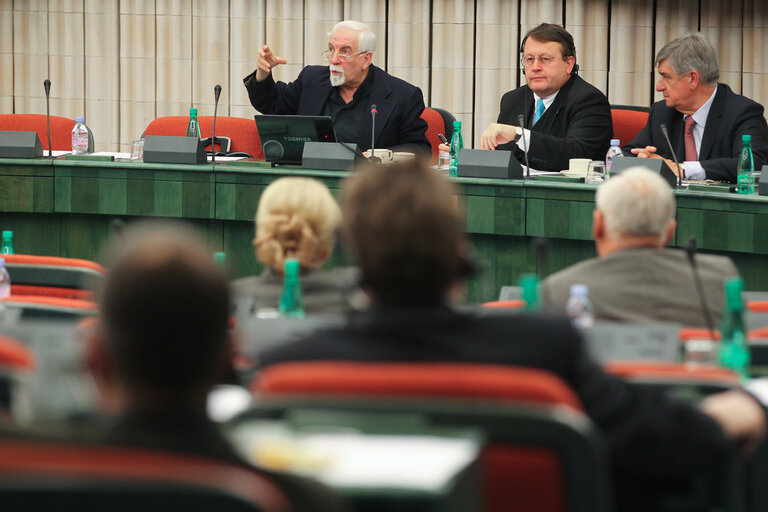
(298, 218)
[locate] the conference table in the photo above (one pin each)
(66, 207)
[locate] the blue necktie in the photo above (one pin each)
(539, 110)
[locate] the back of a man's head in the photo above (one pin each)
(164, 312)
(636, 203)
(404, 225)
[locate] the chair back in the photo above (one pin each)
(241, 131)
(53, 276)
(39, 476)
(438, 121)
(628, 121)
(509, 304)
(51, 308)
(61, 128)
(519, 472)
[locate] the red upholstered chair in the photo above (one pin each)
(39, 475)
(510, 304)
(438, 121)
(532, 461)
(14, 355)
(61, 128)
(628, 121)
(241, 131)
(53, 276)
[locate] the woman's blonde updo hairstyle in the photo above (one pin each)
(296, 218)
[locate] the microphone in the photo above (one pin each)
(216, 94)
(353, 148)
(669, 145)
(690, 250)
(521, 122)
(47, 86)
(373, 127)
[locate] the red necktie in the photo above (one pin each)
(690, 142)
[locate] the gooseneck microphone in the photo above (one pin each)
(690, 250)
(373, 126)
(674, 156)
(521, 123)
(216, 94)
(47, 86)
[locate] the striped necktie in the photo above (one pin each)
(539, 110)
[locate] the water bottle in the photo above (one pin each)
(530, 286)
(5, 280)
(734, 353)
(291, 300)
(613, 152)
(80, 137)
(457, 144)
(744, 177)
(579, 308)
(193, 127)
(7, 247)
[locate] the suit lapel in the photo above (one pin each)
(321, 89)
(380, 92)
(550, 115)
(709, 139)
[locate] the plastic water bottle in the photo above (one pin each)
(7, 247)
(744, 177)
(5, 280)
(291, 300)
(80, 137)
(457, 144)
(193, 127)
(530, 286)
(734, 353)
(579, 308)
(613, 152)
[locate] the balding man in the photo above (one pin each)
(345, 90)
(705, 119)
(635, 278)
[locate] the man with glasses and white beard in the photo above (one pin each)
(345, 90)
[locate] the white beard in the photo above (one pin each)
(337, 80)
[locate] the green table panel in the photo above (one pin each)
(33, 233)
(559, 219)
(26, 185)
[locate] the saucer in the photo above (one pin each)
(573, 174)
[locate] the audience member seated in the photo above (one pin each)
(298, 218)
(161, 344)
(635, 278)
(404, 226)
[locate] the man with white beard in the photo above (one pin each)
(346, 90)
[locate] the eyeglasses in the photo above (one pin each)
(529, 60)
(342, 56)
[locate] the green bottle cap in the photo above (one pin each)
(7, 235)
(746, 138)
(733, 288)
(456, 125)
(220, 257)
(530, 285)
(193, 112)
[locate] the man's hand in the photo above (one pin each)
(650, 152)
(739, 415)
(497, 134)
(267, 61)
(444, 148)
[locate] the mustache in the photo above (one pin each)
(336, 68)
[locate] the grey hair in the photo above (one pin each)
(691, 51)
(366, 39)
(637, 202)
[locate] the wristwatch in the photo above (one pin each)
(518, 133)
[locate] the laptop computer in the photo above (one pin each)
(283, 137)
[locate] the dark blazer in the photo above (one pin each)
(399, 126)
(649, 434)
(730, 116)
(577, 125)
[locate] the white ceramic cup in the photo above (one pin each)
(385, 155)
(579, 165)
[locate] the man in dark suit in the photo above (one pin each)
(564, 117)
(705, 119)
(404, 227)
(346, 90)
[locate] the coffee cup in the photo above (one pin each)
(579, 165)
(385, 155)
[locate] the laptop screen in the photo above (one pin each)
(283, 137)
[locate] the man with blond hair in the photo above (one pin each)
(347, 89)
(635, 278)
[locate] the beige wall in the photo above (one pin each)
(122, 63)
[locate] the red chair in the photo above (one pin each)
(14, 355)
(53, 276)
(628, 121)
(50, 307)
(242, 132)
(438, 121)
(697, 333)
(674, 373)
(518, 473)
(511, 304)
(61, 128)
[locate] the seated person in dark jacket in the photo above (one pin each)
(162, 343)
(298, 218)
(404, 227)
(705, 120)
(346, 90)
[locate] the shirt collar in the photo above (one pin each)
(700, 116)
(547, 101)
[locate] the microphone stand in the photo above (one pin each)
(47, 86)
(674, 156)
(521, 122)
(690, 251)
(373, 127)
(216, 94)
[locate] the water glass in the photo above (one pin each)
(444, 161)
(596, 172)
(137, 150)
